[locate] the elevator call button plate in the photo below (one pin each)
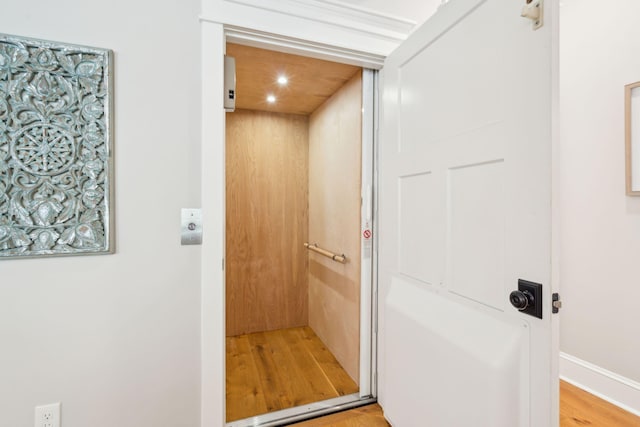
(191, 227)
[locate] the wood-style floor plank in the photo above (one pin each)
(280, 369)
(270, 371)
(272, 375)
(312, 384)
(365, 416)
(579, 408)
(243, 388)
(341, 381)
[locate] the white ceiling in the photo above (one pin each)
(413, 10)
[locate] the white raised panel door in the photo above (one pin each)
(465, 211)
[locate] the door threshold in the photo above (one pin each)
(304, 412)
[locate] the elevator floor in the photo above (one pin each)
(270, 371)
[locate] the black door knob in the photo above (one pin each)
(521, 299)
(528, 298)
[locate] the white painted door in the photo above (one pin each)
(465, 211)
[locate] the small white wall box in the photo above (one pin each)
(229, 83)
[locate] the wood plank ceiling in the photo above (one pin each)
(310, 81)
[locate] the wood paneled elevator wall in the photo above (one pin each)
(267, 162)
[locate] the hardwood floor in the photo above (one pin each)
(579, 408)
(269, 371)
(365, 416)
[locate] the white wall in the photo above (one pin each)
(600, 226)
(115, 338)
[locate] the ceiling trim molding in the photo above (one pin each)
(302, 47)
(338, 14)
(362, 10)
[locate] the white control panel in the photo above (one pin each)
(191, 227)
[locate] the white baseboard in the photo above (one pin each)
(613, 388)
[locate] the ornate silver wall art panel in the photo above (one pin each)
(55, 148)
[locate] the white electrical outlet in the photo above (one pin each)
(48, 415)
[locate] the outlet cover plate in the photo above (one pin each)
(48, 415)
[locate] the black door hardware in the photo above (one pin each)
(528, 298)
(556, 304)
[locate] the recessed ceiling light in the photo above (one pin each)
(283, 80)
(271, 99)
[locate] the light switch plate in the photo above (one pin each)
(191, 227)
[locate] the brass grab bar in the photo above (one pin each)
(338, 258)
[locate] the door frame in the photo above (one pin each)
(214, 37)
(212, 353)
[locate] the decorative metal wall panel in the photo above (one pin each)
(55, 148)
